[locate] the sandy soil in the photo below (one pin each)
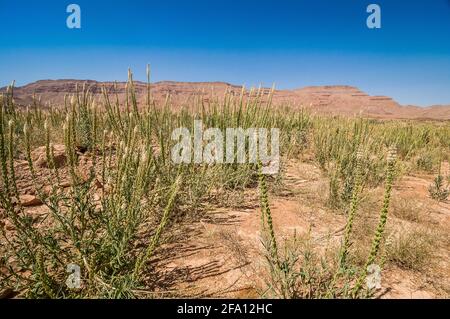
(219, 255)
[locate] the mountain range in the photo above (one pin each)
(331, 99)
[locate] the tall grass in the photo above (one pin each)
(118, 196)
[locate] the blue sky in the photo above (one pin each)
(292, 43)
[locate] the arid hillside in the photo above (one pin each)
(335, 100)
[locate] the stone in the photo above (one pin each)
(39, 156)
(30, 200)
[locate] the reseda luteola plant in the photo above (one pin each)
(118, 196)
(379, 232)
(110, 205)
(285, 281)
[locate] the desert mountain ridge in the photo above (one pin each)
(329, 99)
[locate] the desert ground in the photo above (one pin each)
(87, 180)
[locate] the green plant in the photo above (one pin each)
(118, 197)
(437, 190)
(411, 249)
(297, 271)
(352, 211)
(379, 232)
(425, 162)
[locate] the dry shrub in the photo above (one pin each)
(411, 249)
(409, 209)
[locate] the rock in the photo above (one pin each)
(7, 225)
(48, 190)
(39, 156)
(7, 293)
(28, 190)
(65, 184)
(20, 164)
(30, 200)
(98, 184)
(96, 197)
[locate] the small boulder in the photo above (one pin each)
(98, 184)
(65, 183)
(39, 156)
(7, 293)
(30, 200)
(7, 225)
(96, 197)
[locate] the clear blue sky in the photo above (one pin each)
(291, 43)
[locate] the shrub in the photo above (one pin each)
(410, 249)
(437, 190)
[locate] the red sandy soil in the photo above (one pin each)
(219, 255)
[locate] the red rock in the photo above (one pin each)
(30, 200)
